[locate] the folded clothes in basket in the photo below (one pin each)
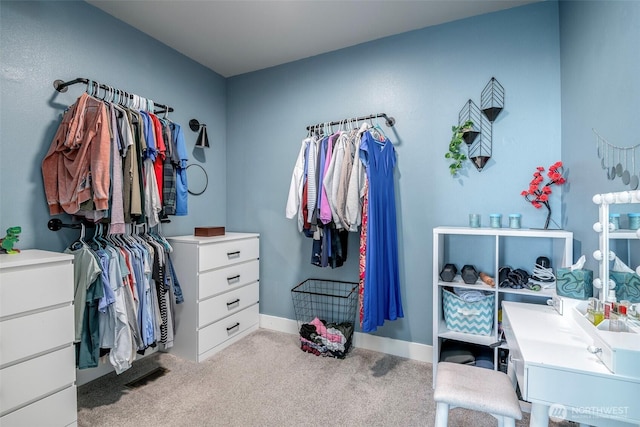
(470, 295)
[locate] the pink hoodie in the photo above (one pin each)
(76, 168)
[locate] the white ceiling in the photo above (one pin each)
(235, 37)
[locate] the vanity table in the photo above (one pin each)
(549, 358)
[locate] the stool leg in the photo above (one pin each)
(442, 414)
(509, 422)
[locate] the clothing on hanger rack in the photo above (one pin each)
(132, 168)
(343, 182)
(125, 294)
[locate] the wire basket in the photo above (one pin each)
(325, 309)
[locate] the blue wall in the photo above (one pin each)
(578, 55)
(422, 78)
(601, 91)
(44, 41)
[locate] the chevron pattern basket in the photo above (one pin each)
(470, 317)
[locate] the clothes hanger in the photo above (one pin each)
(377, 133)
(112, 238)
(101, 238)
(79, 243)
(157, 235)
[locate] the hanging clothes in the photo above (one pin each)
(382, 299)
(108, 163)
(125, 297)
(76, 167)
(343, 182)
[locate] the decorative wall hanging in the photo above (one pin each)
(476, 125)
(197, 178)
(618, 162)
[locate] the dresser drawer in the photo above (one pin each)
(217, 333)
(221, 306)
(225, 253)
(59, 409)
(26, 336)
(36, 378)
(47, 285)
(215, 282)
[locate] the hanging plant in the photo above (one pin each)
(454, 152)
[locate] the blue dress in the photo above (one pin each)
(382, 281)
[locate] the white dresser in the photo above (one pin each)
(219, 277)
(37, 357)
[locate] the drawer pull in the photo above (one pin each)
(231, 328)
(232, 303)
(235, 254)
(233, 279)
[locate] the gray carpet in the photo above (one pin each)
(266, 380)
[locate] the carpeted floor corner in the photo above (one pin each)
(266, 380)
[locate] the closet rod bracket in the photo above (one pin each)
(390, 121)
(60, 86)
(56, 224)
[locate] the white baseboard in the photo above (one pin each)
(410, 350)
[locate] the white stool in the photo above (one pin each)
(474, 388)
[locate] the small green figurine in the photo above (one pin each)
(6, 243)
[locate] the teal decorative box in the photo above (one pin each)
(627, 286)
(576, 284)
(470, 317)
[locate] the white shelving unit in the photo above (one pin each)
(488, 249)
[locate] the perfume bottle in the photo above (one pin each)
(598, 312)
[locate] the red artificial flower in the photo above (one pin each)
(538, 195)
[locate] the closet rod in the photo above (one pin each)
(61, 86)
(390, 121)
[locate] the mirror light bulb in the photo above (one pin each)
(597, 227)
(624, 197)
(597, 255)
(597, 283)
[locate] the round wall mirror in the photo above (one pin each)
(197, 179)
